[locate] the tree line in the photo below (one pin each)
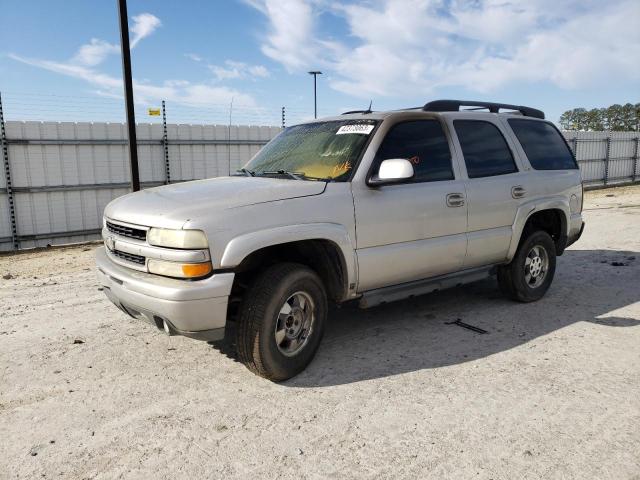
(618, 118)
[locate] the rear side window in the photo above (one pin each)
(485, 150)
(543, 144)
(424, 144)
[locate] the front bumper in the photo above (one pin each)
(196, 309)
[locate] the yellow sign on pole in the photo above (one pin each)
(154, 112)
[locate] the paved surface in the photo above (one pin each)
(551, 391)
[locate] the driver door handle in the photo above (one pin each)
(455, 199)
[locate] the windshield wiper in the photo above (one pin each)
(248, 173)
(293, 175)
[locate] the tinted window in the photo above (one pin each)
(485, 150)
(543, 144)
(423, 143)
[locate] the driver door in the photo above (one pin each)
(416, 229)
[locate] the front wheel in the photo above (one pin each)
(529, 275)
(281, 321)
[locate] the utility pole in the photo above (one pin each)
(128, 94)
(315, 96)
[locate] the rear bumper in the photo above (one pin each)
(575, 229)
(196, 309)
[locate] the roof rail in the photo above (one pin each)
(454, 106)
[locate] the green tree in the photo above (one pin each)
(612, 117)
(573, 119)
(619, 118)
(630, 116)
(594, 120)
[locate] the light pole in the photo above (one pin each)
(128, 94)
(315, 96)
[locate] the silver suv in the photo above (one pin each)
(368, 206)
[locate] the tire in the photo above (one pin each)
(283, 354)
(526, 280)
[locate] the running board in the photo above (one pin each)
(420, 287)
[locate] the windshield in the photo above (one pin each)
(324, 150)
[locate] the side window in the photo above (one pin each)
(424, 144)
(543, 144)
(485, 150)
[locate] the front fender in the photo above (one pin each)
(529, 208)
(242, 246)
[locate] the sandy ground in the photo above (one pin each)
(551, 391)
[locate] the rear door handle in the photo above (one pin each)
(455, 199)
(518, 191)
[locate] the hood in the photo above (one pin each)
(172, 205)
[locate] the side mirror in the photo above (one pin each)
(391, 171)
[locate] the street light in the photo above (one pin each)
(315, 97)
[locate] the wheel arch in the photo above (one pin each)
(550, 215)
(326, 248)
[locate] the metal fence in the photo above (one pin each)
(58, 176)
(606, 158)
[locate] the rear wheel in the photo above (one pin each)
(281, 321)
(529, 275)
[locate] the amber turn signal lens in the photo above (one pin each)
(192, 270)
(179, 270)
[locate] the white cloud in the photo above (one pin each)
(143, 26)
(193, 56)
(420, 45)
(258, 71)
(69, 69)
(290, 40)
(97, 50)
(237, 70)
(590, 49)
(94, 52)
(179, 91)
(82, 66)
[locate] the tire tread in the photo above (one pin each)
(253, 311)
(508, 275)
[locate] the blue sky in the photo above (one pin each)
(60, 59)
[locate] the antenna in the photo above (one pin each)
(364, 112)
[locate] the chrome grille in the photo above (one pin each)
(128, 232)
(129, 257)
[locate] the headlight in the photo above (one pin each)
(163, 237)
(179, 270)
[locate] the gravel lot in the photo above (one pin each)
(551, 391)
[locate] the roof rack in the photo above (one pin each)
(454, 106)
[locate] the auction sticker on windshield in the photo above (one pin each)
(362, 128)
